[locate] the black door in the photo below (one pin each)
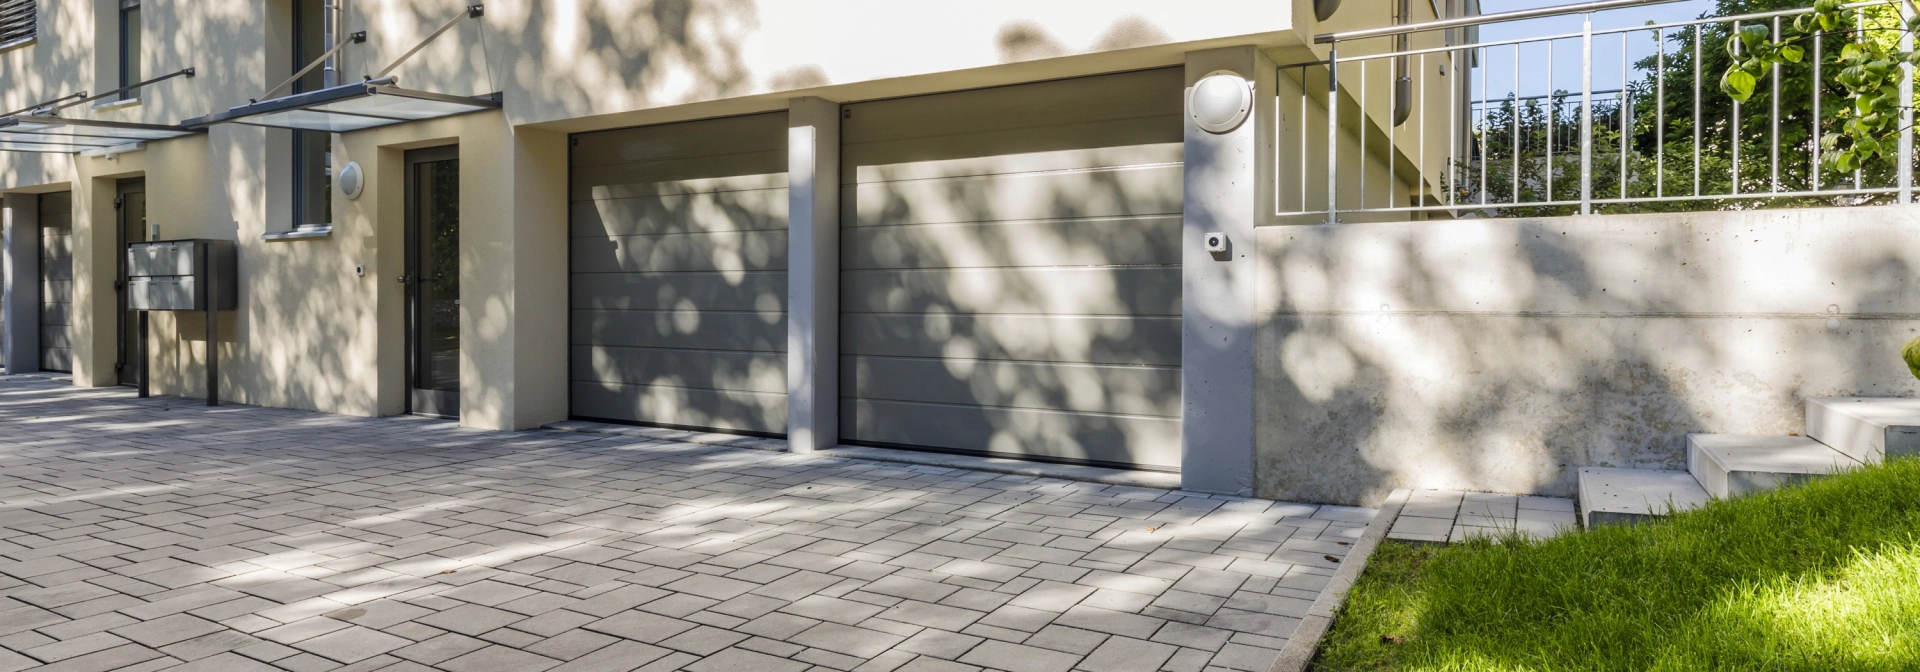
(433, 281)
(132, 205)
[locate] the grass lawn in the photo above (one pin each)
(1824, 576)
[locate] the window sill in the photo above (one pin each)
(115, 104)
(301, 233)
(16, 44)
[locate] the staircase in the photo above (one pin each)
(1842, 432)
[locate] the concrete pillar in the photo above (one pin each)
(1224, 172)
(20, 214)
(813, 274)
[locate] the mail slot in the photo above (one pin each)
(175, 275)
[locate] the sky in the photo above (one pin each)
(1566, 53)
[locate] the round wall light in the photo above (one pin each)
(352, 180)
(1220, 101)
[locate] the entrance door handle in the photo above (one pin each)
(403, 279)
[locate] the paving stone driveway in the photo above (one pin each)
(160, 534)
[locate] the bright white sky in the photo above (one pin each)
(1566, 53)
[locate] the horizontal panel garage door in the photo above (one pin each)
(1011, 271)
(56, 281)
(679, 286)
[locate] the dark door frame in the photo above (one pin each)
(416, 402)
(131, 185)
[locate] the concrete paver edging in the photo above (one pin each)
(1305, 642)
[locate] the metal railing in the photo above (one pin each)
(1661, 136)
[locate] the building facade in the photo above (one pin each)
(967, 228)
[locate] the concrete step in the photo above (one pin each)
(1615, 496)
(1731, 465)
(1867, 429)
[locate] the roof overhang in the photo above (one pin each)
(349, 107)
(60, 135)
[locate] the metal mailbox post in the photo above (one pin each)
(194, 275)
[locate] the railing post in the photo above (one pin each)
(1333, 133)
(1586, 115)
(1906, 108)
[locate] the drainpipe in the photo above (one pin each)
(329, 26)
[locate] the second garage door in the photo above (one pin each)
(679, 287)
(1011, 271)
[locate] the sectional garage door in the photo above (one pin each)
(679, 289)
(1011, 271)
(56, 281)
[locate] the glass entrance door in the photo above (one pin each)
(132, 200)
(433, 281)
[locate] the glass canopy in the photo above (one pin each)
(62, 135)
(349, 107)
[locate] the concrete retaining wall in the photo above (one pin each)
(1501, 355)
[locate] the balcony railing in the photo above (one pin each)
(1497, 128)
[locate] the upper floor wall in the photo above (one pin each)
(558, 60)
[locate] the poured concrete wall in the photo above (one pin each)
(1501, 355)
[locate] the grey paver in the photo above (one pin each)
(302, 541)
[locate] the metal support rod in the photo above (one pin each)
(1453, 125)
(1814, 168)
(1906, 106)
(1553, 105)
(1363, 140)
(1515, 118)
(355, 38)
(472, 12)
(1586, 116)
(1733, 129)
(42, 105)
(1486, 64)
(1698, 46)
(1333, 134)
(1660, 115)
(1626, 112)
(1775, 160)
(183, 72)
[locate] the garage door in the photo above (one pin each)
(56, 281)
(1011, 271)
(679, 288)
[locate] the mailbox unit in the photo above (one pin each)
(175, 275)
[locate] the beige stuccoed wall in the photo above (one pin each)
(310, 334)
(1501, 355)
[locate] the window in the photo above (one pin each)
(129, 47)
(17, 22)
(312, 183)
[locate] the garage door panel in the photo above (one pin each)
(700, 369)
(57, 269)
(1130, 142)
(1141, 291)
(55, 359)
(1115, 192)
(730, 251)
(1036, 338)
(763, 291)
(709, 137)
(690, 329)
(1128, 390)
(57, 244)
(704, 175)
(60, 313)
(1139, 441)
(1041, 104)
(715, 409)
(56, 336)
(757, 210)
(1116, 241)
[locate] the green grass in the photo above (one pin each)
(1824, 576)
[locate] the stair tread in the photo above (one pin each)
(1771, 454)
(1882, 412)
(1638, 491)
